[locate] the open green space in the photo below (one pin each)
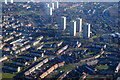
(66, 68)
(86, 56)
(90, 53)
(28, 12)
(7, 75)
(94, 37)
(50, 42)
(73, 49)
(102, 67)
(88, 77)
(52, 49)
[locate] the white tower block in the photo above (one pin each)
(56, 4)
(5, 1)
(11, 1)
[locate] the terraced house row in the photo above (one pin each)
(43, 75)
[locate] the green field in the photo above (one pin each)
(66, 68)
(7, 75)
(102, 67)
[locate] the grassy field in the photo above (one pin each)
(52, 49)
(102, 67)
(66, 68)
(28, 12)
(88, 77)
(7, 76)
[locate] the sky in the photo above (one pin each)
(66, 0)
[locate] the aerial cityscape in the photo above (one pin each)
(60, 41)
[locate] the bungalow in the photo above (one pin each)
(60, 43)
(40, 38)
(28, 57)
(36, 67)
(61, 50)
(43, 75)
(51, 69)
(40, 47)
(99, 46)
(17, 69)
(3, 58)
(35, 42)
(7, 39)
(35, 54)
(27, 46)
(21, 63)
(117, 68)
(45, 60)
